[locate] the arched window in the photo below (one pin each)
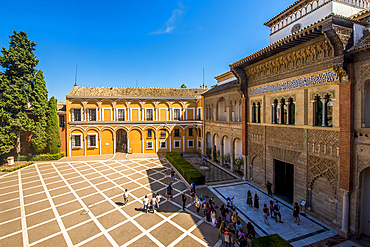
(317, 111)
(254, 110)
(274, 112)
(323, 111)
(258, 112)
(290, 111)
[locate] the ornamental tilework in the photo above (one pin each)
(301, 82)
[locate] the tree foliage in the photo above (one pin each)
(53, 133)
(183, 85)
(19, 63)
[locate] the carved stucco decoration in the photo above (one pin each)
(285, 97)
(256, 151)
(364, 76)
(323, 93)
(282, 154)
(285, 136)
(297, 58)
(363, 162)
(323, 141)
(323, 167)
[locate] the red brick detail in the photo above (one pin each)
(346, 135)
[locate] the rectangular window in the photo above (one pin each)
(149, 145)
(61, 121)
(177, 144)
(199, 144)
(176, 114)
(163, 144)
(91, 141)
(190, 144)
(177, 133)
(76, 141)
(91, 113)
(199, 114)
(149, 133)
(163, 133)
(149, 115)
(191, 132)
(76, 114)
(199, 133)
(121, 115)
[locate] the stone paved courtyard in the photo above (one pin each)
(79, 203)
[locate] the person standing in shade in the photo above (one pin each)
(272, 208)
(169, 191)
(249, 199)
(265, 211)
(192, 196)
(192, 186)
(277, 211)
(173, 175)
(227, 237)
(296, 213)
(269, 186)
(183, 198)
(146, 202)
(197, 205)
(213, 217)
(125, 197)
(256, 202)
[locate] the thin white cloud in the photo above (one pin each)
(171, 23)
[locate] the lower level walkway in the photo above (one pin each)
(309, 231)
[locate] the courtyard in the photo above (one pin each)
(79, 203)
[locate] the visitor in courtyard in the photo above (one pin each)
(208, 213)
(125, 197)
(146, 202)
(223, 213)
(238, 226)
(183, 198)
(256, 202)
(218, 223)
(227, 237)
(234, 218)
(277, 211)
(192, 196)
(165, 176)
(240, 234)
(204, 206)
(249, 199)
(269, 186)
(201, 198)
(243, 242)
(173, 175)
(158, 199)
(213, 216)
(221, 231)
(272, 208)
(211, 201)
(250, 230)
(192, 186)
(153, 203)
(228, 215)
(169, 191)
(265, 213)
(232, 233)
(296, 213)
(197, 205)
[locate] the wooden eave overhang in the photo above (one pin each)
(304, 35)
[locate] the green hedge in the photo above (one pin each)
(272, 240)
(16, 168)
(44, 157)
(187, 170)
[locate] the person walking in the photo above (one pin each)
(197, 205)
(227, 237)
(183, 198)
(228, 215)
(249, 199)
(192, 196)
(272, 208)
(204, 205)
(269, 186)
(125, 197)
(256, 202)
(208, 212)
(234, 218)
(213, 217)
(221, 231)
(157, 200)
(153, 203)
(169, 191)
(146, 202)
(165, 177)
(277, 211)
(223, 213)
(192, 186)
(296, 213)
(265, 213)
(173, 176)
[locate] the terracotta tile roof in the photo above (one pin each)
(134, 92)
(364, 42)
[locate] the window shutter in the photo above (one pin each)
(88, 141)
(73, 141)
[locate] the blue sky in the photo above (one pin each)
(161, 43)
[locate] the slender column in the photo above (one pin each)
(183, 146)
(309, 199)
(273, 112)
(288, 112)
(128, 144)
(114, 145)
(345, 213)
(70, 147)
(169, 137)
(324, 110)
(281, 120)
(142, 145)
(85, 143)
(315, 106)
(99, 146)
(258, 114)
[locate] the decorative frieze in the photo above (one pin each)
(323, 142)
(282, 154)
(285, 136)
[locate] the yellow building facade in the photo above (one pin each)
(106, 120)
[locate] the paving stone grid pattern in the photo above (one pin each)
(309, 231)
(214, 174)
(80, 204)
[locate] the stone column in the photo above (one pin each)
(324, 110)
(345, 215)
(288, 112)
(273, 111)
(99, 145)
(309, 199)
(315, 106)
(232, 161)
(114, 145)
(281, 120)
(258, 111)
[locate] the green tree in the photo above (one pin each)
(53, 133)
(39, 104)
(19, 63)
(183, 86)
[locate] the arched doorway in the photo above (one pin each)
(121, 145)
(365, 202)
(209, 140)
(221, 110)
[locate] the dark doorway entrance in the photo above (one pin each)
(121, 141)
(284, 180)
